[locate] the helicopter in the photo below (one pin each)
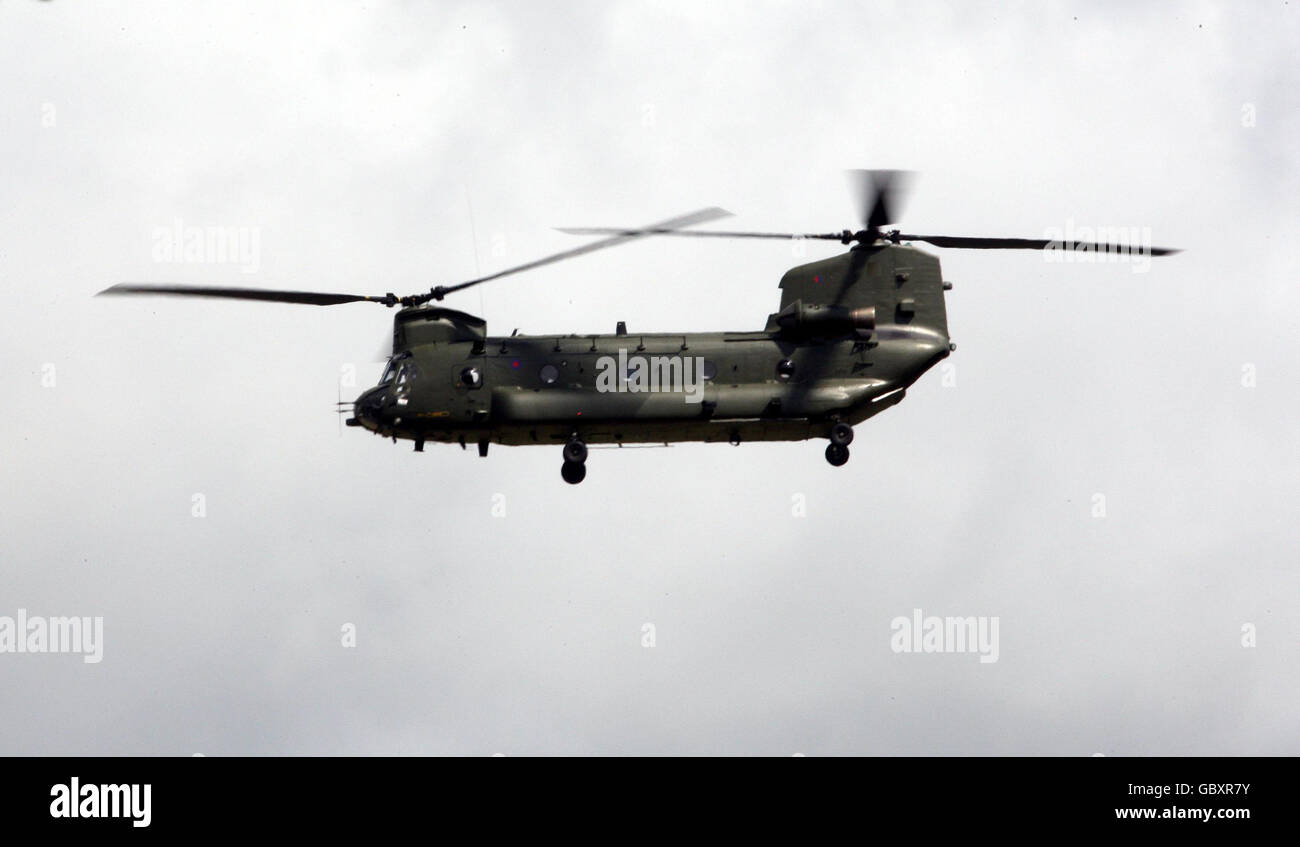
(850, 335)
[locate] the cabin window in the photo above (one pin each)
(549, 374)
(708, 370)
(785, 368)
(471, 377)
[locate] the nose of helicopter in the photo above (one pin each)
(367, 409)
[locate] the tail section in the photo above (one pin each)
(904, 285)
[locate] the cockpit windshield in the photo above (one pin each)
(394, 367)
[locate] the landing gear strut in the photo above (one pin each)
(574, 469)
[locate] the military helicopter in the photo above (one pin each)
(851, 334)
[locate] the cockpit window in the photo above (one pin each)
(394, 364)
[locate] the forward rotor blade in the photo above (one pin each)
(670, 225)
(1032, 244)
(310, 298)
(879, 195)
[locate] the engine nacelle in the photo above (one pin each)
(799, 319)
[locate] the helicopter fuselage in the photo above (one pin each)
(853, 333)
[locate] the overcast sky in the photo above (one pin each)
(396, 146)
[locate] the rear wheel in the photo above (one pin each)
(575, 451)
(573, 472)
(842, 434)
(837, 454)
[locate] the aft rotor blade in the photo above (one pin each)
(977, 243)
(310, 298)
(696, 233)
(621, 236)
(879, 195)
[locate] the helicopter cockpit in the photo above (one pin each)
(396, 368)
(392, 388)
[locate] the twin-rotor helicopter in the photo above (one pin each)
(851, 334)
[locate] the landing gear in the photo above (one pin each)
(574, 469)
(841, 434)
(573, 472)
(575, 451)
(837, 454)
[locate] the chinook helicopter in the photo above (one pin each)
(851, 334)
